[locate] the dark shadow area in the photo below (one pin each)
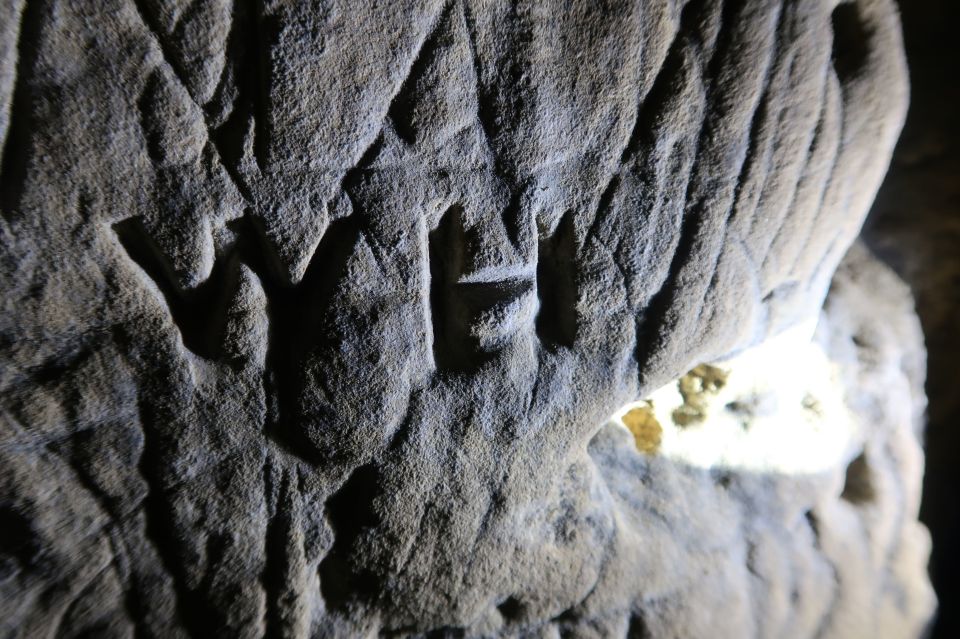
(350, 511)
(193, 608)
(511, 609)
(557, 286)
(18, 541)
(17, 147)
(850, 41)
(915, 227)
(858, 487)
(447, 249)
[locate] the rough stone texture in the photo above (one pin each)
(313, 314)
(731, 553)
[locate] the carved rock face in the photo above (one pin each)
(312, 311)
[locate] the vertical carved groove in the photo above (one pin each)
(350, 511)
(447, 245)
(16, 146)
(556, 321)
(295, 312)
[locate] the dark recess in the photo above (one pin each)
(511, 609)
(17, 146)
(858, 487)
(447, 246)
(446, 632)
(403, 109)
(195, 612)
(350, 512)
(851, 41)
(557, 286)
(638, 627)
(18, 541)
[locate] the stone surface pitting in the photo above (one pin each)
(313, 312)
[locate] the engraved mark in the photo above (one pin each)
(350, 512)
(200, 312)
(295, 312)
(455, 305)
(16, 147)
(557, 287)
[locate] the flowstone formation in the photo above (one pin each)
(315, 316)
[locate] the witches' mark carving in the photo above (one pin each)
(456, 305)
(296, 312)
(557, 287)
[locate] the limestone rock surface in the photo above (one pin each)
(314, 315)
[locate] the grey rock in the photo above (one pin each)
(313, 313)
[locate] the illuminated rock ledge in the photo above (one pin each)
(778, 407)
